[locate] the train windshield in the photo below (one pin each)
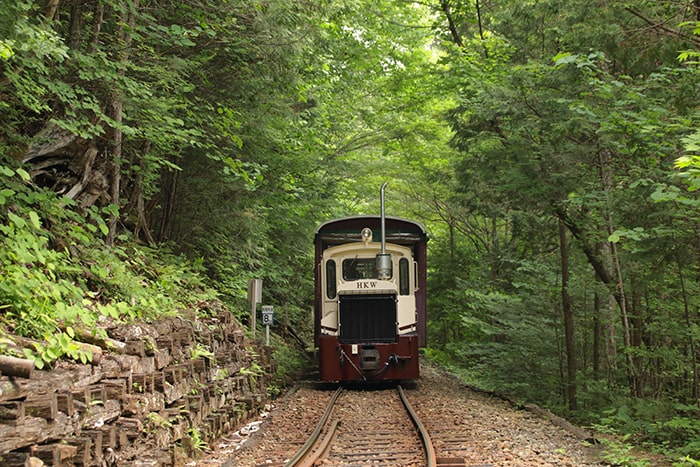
(359, 268)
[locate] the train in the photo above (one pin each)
(370, 297)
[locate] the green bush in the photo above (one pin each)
(59, 280)
(673, 428)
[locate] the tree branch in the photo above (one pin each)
(663, 28)
(445, 6)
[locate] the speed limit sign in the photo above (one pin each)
(268, 315)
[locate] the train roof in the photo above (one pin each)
(343, 230)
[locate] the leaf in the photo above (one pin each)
(683, 162)
(614, 237)
(6, 51)
(18, 221)
(64, 341)
(34, 219)
(665, 193)
(24, 175)
(564, 58)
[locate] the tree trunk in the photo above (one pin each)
(139, 205)
(169, 181)
(51, 9)
(569, 336)
(695, 389)
(115, 169)
(635, 390)
(610, 330)
(124, 36)
(637, 323)
(604, 158)
(97, 19)
(596, 336)
(452, 242)
(76, 25)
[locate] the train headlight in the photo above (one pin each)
(366, 235)
(384, 266)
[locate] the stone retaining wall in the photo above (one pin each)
(175, 386)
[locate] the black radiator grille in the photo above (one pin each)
(367, 318)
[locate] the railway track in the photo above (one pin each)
(369, 428)
(480, 430)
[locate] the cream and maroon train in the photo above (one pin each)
(370, 297)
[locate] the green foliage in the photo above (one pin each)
(670, 427)
(198, 442)
(272, 391)
(29, 52)
(155, 421)
(560, 112)
(290, 359)
(690, 165)
(622, 453)
(686, 461)
(35, 276)
(58, 280)
(254, 370)
(200, 351)
(56, 346)
(679, 434)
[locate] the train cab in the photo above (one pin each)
(369, 308)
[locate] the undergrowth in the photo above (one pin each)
(59, 282)
(669, 427)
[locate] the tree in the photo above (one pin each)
(575, 138)
(569, 335)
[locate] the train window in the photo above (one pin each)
(404, 277)
(330, 279)
(359, 268)
(415, 276)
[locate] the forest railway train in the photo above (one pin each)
(370, 297)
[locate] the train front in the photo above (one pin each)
(369, 323)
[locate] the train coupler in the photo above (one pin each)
(370, 359)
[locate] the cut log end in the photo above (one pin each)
(13, 366)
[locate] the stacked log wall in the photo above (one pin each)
(172, 387)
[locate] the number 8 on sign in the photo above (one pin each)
(267, 315)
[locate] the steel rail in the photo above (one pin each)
(431, 460)
(313, 439)
(323, 447)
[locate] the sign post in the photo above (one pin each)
(254, 297)
(268, 318)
